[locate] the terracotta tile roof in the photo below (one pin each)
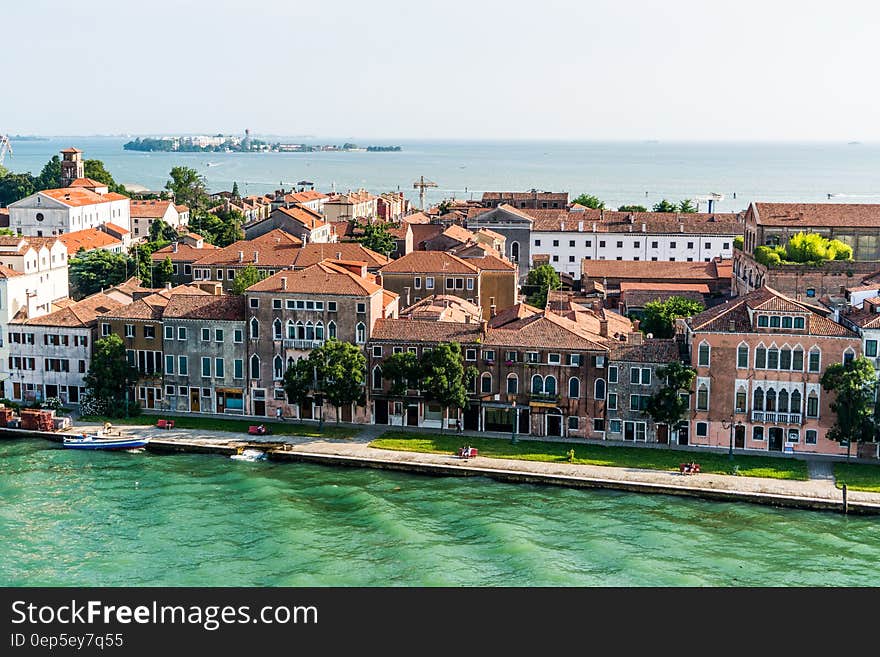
(650, 351)
(526, 196)
(344, 228)
(119, 230)
(274, 249)
(545, 331)
(181, 208)
(492, 234)
(417, 218)
(13, 244)
(491, 263)
(113, 196)
(456, 232)
(315, 252)
(322, 278)
(185, 252)
(149, 209)
(651, 270)
(430, 262)
(737, 314)
(75, 196)
(623, 222)
(399, 232)
(6, 272)
(804, 215)
(360, 196)
(424, 232)
(152, 306)
(224, 307)
(865, 317)
(88, 240)
(443, 308)
(411, 330)
(627, 286)
(86, 182)
(308, 218)
(78, 314)
(512, 314)
(71, 150)
(304, 197)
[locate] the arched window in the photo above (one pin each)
(290, 362)
(740, 400)
(514, 251)
(360, 333)
(485, 383)
(277, 367)
(331, 330)
(377, 377)
(291, 332)
(812, 404)
(782, 402)
(300, 331)
(255, 328)
(795, 402)
(599, 389)
(276, 329)
(310, 331)
(758, 399)
(771, 400)
(773, 358)
(703, 397)
(319, 331)
(761, 357)
(703, 353)
(255, 367)
(848, 355)
(815, 359)
(537, 384)
(785, 359)
(512, 384)
(550, 386)
(742, 356)
(574, 387)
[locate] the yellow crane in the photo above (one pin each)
(421, 184)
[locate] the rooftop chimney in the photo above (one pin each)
(283, 282)
(731, 326)
(680, 228)
(644, 227)
(168, 285)
(603, 328)
(256, 257)
(174, 246)
(339, 255)
(581, 226)
(493, 309)
(636, 338)
(594, 226)
(241, 256)
(636, 324)
(484, 326)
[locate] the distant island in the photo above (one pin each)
(236, 144)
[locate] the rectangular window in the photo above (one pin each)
(429, 282)
(598, 424)
(812, 406)
(253, 302)
(690, 245)
(646, 376)
(276, 304)
(470, 354)
(614, 426)
(612, 401)
(537, 242)
(219, 369)
(703, 398)
(742, 357)
(531, 356)
(703, 355)
(634, 402)
(450, 284)
(634, 376)
(763, 321)
(655, 245)
(470, 283)
(181, 333)
(218, 335)
(702, 429)
(169, 364)
(793, 436)
(169, 391)
(786, 322)
(361, 307)
(129, 330)
(707, 245)
(377, 352)
(182, 368)
(811, 437)
(238, 335)
(815, 358)
(486, 384)
(150, 332)
(489, 354)
(238, 368)
(573, 423)
(206, 366)
(588, 243)
(741, 401)
(612, 374)
(206, 335)
(230, 274)
(774, 321)
(219, 274)
(512, 385)
(799, 323)
(289, 304)
(574, 360)
(571, 243)
(672, 245)
(417, 282)
(758, 433)
(510, 356)
(331, 306)
(602, 244)
(168, 332)
(553, 359)
(871, 348)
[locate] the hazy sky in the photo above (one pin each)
(595, 69)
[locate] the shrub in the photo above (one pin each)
(738, 242)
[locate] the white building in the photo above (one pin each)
(144, 213)
(49, 355)
(68, 209)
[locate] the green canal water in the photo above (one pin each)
(104, 519)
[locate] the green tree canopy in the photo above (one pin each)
(687, 206)
(15, 186)
(632, 208)
(244, 278)
(110, 375)
(221, 227)
(50, 176)
(164, 272)
(162, 232)
(3, 171)
(93, 271)
(590, 201)
(669, 405)
(544, 278)
(664, 206)
(235, 193)
(403, 370)
(854, 384)
(377, 238)
(96, 170)
(341, 368)
(660, 316)
(299, 381)
(444, 377)
(141, 260)
(189, 187)
(803, 248)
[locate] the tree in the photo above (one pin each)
(402, 370)
(235, 193)
(93, 271)
(244, 279)
(164, 272)
(664, 206)
(687, 206)
(341, 370)
(669, 405)
(3, 171)
(50, 176)
(660, 316)
(590, 201)
(110, 375)
(299, 381)
(544, 278)
(16, 186)
(443, 377)
(95, 170)
(162, 232)
(141, 260)
(632, 208)
(854, 383)
(377, 238)
(189, 187)
(221, 227)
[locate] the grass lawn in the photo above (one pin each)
(858, 476)
(621, 457)
(289, 428)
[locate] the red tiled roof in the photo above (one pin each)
(651, 269)
(304, 197)
(185, 252)
(119, 230)
(626, 286)
(412, 330)
(431, 262)
(75, 196)
(322, 278)
(314, 252)
(804, 215)
(150, 209)
(224, 307)
(6, 272)
(80, 313)
(491, 263)
(308, 218)
(275, 249)
(650, 351)
(86, 182)
(526, 196)
(88, 240)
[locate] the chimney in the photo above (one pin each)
(680, 228)
(493, 309)
(256, 257)
(581, 226)
(562, 225)
(241, 256)
(484, 326)
(594, 226)
(339, 255)
(283, 282)
(636, 324)
(636, 338)
(174, 246)
(168, 285)
(603, 328)
(644, 227)
(631, 218)
(731, 326)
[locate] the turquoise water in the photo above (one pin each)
(72, 518)
(618, 172)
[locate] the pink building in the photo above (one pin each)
(759, 359)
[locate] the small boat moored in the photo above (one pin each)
(98, 441)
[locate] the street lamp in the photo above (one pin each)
(513, 422)
(731, 425)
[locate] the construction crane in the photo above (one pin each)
(5, 146)
(421, 184)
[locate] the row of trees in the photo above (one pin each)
(685, 206)
(15, 186)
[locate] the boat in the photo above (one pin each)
(249, 455)
(100, 441)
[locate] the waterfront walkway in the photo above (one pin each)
(818, 492)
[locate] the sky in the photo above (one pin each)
(452, 69)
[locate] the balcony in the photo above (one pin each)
(543, 398)
(776, 418)
(302, 344)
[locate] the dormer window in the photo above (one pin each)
(774, 321)
(799, 323)
(763, 321)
